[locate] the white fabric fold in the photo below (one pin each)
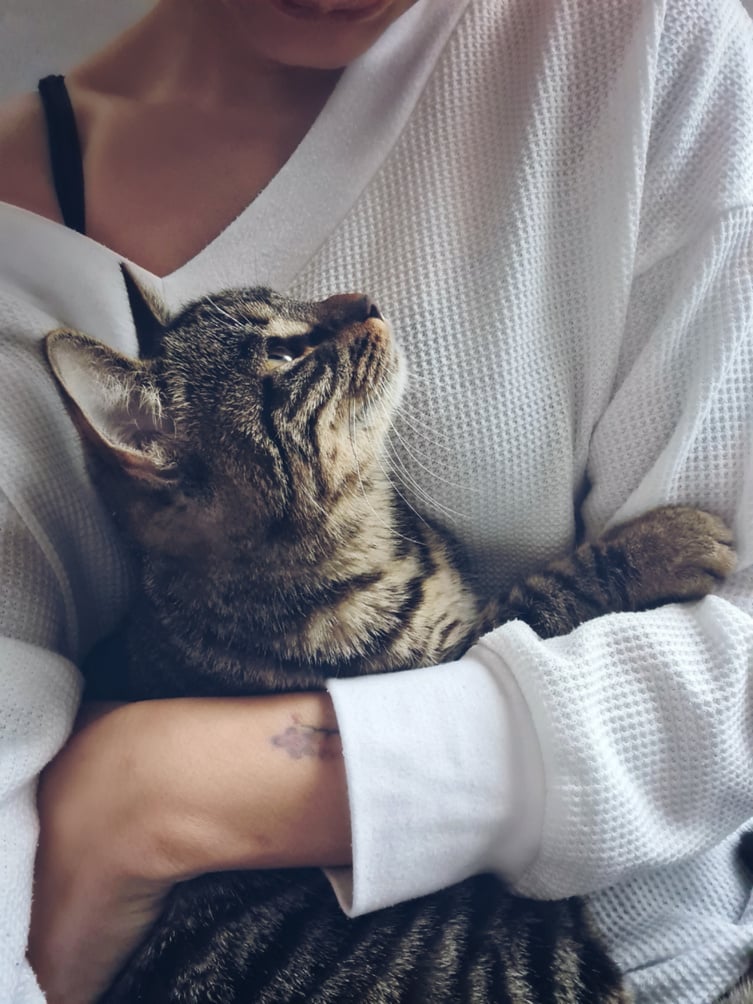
(40, 697)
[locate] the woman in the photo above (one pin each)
(554, 203)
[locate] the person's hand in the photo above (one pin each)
(148, 794)
(99, 877)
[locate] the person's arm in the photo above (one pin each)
(145, 795)
(40, 696)
(40, 601)
(63, 580)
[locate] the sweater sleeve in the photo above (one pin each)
(41, 690)
(60, 586)
(41, 693)
(642, 723)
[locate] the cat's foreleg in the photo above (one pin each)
(669, 554)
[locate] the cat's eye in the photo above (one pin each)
(280, 356)
(285, 350)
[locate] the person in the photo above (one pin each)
(553, 202)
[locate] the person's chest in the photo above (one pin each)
(162, 184)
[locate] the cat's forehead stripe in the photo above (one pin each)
(280, 327)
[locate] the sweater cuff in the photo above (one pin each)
(444, 779)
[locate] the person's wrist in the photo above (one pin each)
(209, 784)
(142, 834)
(262, 786)
(159, 834)
(101, 873)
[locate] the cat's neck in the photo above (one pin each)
(369, 587)
(354, 534)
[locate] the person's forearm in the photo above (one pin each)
(245, 782)
(145, 795)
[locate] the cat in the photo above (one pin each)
(241, 456)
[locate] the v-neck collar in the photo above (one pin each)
(275, 236)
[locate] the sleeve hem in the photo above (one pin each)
(444, 779)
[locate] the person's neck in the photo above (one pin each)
(182, 123)
(198, 54)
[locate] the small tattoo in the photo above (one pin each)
(300, 740)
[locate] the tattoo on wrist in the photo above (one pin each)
(300, 740)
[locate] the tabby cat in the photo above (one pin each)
(241, 456)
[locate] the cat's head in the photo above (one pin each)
(247, 412)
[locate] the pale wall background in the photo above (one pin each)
(38, 37)
(47, 36)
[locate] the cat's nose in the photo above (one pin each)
(350, 308)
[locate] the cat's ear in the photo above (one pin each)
(149, 316)
(115, 404)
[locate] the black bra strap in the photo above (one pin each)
(65, 151)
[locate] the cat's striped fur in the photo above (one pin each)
(241, 454)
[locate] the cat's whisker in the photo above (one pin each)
(421, 434)
(415, 418)
(416, 379)
(386, 470)
(415, 458)
(394, 463)
(351, 435)
(308, 494)
(221, 310)
(393, 402)
(388, 467)
(406, 478)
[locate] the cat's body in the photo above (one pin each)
(242, 455)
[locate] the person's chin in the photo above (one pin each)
(321, 34)
(343, 11)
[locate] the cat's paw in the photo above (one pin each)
(674, 553)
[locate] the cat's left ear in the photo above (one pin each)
(115, 404)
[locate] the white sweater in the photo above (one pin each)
(553, 201)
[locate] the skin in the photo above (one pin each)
(145, 795)
(201, 96)
(206, 96)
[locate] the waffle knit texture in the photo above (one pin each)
(553, 202)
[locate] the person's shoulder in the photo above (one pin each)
(24, 170)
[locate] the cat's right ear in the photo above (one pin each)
(149, 317)
(115, 404)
